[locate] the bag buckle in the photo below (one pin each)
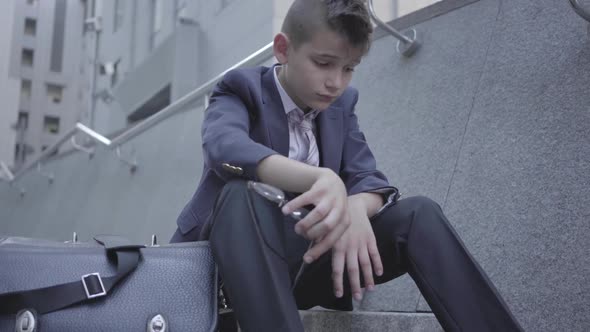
(90, 294)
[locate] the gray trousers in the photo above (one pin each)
(259, 254)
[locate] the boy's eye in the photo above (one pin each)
(321, 63)
(349, 69)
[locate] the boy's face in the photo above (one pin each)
(319, 70)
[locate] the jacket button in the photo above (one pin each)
(232, 169)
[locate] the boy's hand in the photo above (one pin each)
(357, 249)
(326, 223)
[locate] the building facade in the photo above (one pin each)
(45, 60)
(9, 87)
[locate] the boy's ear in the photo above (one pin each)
(281, 47)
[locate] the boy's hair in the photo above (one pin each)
(350, 18)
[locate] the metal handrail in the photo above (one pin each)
(581, 10)
(406, 46)
(78, 128)
(201, 91)
(8, 174)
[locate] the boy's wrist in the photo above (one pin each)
(370, 202)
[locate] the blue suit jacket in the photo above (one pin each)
(246, 122)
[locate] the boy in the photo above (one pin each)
(293, 126)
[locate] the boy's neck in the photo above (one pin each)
(283, 81)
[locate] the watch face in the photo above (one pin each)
(267, 191)
(275, 195)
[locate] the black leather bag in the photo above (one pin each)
(110, 285)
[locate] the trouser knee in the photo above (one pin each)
(238, 211)
(423, 212)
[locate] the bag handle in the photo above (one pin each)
(53, 298)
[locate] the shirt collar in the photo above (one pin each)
(288, 103)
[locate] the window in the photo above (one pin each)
(119, 15)
(51, 124)
(21, 150)
(27, 57)
(17, 154)
(25, 89)
(23, 120)
(30, 26)
(55, 93)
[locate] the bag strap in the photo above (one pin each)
(53, 298)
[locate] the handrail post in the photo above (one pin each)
(79, 147)
(109, 143)
(406, 45)
(132, 164)
(49, 176)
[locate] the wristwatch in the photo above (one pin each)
(390, 200)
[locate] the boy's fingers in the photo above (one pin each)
(315, 216)
(299, 201)
(365, 265)
(338, 272)
(326, 243)
(375, 257)
(352, 264)
(322, 227)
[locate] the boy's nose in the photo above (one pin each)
(334, 80)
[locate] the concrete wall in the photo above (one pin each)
(489, 118)
(9, 86)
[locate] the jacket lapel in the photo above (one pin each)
(331, 140)
(274, 115)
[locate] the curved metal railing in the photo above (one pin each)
(583, 11)
(70, 135)
(406, 45)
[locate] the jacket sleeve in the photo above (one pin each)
(227, 147)
(359, 168)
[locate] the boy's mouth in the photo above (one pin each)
(326, 97)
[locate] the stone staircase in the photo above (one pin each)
(357, 321)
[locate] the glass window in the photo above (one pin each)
(30, 26)
(51, 124)
(55, 93)
(25, 89)
(23, 120)
(27, 57)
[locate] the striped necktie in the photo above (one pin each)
(312, 153)
(303, 127)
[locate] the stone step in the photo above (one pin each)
(357, 321)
